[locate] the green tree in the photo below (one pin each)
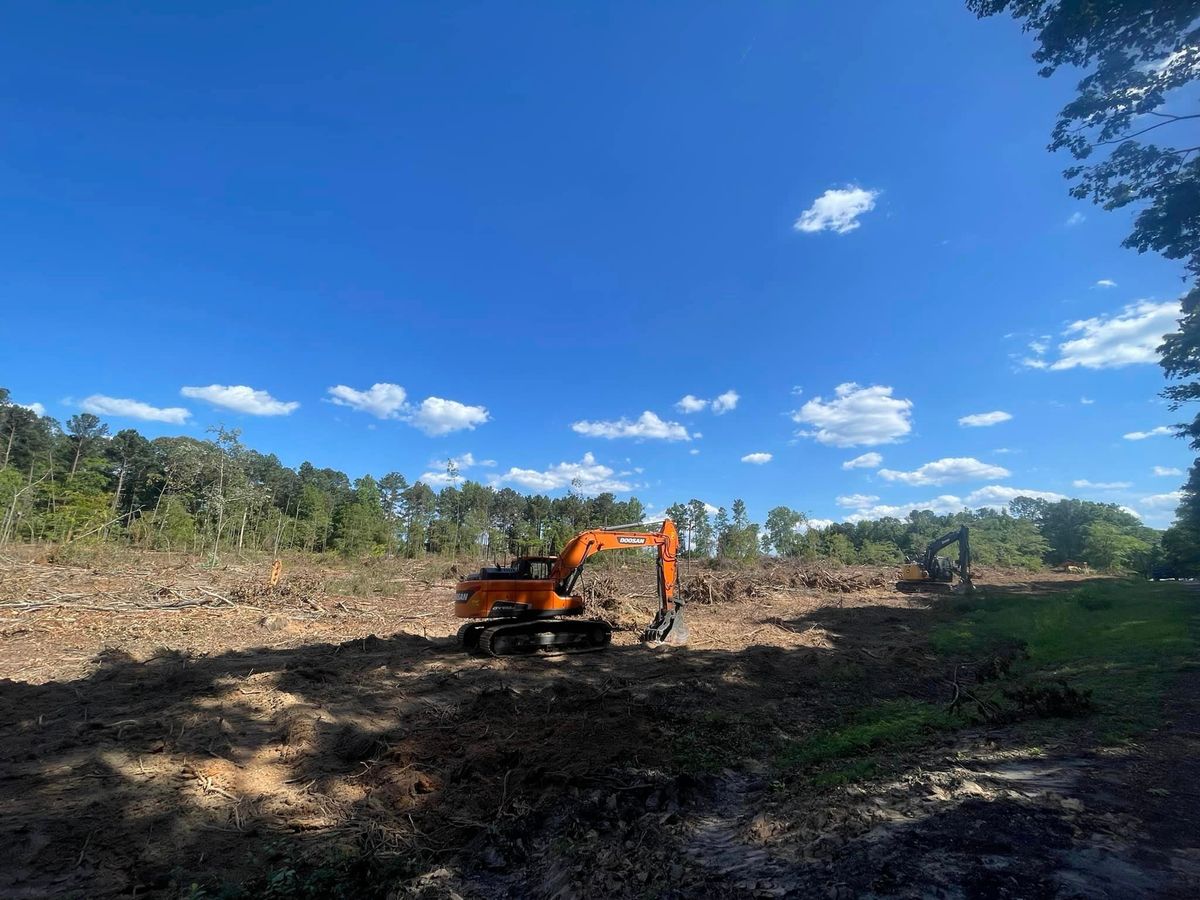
(1107, 546)
(130, 456)
(85, 430)
(24, 436)
(1137, 56)
(681, 516)
(738, 539)
(782, 532)
(701, 527)
(1132, 143)
(391, 493)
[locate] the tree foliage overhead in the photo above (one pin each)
(1133, 132)
(1137, 55)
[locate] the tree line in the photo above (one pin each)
(81, 482)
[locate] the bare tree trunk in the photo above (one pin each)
(78, 453)
(279, 528)
(242, 530)
(12, 433)
(53, 487)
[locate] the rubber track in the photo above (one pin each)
(570, 633)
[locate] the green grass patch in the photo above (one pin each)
(852, 751)
(1096, 662)
(1122, 641)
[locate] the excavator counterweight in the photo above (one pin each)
(526, 607)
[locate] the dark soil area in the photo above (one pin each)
(324, 744)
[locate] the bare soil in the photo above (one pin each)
(167, 729)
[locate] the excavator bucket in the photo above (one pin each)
(668, 627)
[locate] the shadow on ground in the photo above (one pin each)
(373, 763)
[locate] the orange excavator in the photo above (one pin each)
(526, 606)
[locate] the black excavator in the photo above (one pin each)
(936, 573)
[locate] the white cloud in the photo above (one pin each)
(1162, 501)
(856, 501)
(486, 463)
(695, 451)
(1132, 512)
(1076, 218)
(587, 476)
(36, 408)
(1101, 485)
(723, 403)
(999, 495)
(382, 400)
(816, 524)
(757, 459)
(720, 404)
(870, 460)
(856, 416)
(946, 503)
(1106, 283)
(241, 398)
(436, 416)
(942, 471)
(101, 405)
(1165, 471)
(1086, 401)
(439, 474)
(441, 479)
(837, 210)
(982, 420)
(1129, 337)
(1157, 431)
(994, 495)
(1005, 450)
(646, 426)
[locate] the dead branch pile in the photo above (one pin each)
(297, 590)
(737, 585)
(838, 581)
(27, 587)
(720, 587)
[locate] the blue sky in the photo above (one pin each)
(538, 228)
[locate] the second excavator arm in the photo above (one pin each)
(962, 537)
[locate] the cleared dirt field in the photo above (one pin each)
(172, 730)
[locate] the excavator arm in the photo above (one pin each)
(961, 536)
(668, 625)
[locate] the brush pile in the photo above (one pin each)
(737, 585)
(27, 587)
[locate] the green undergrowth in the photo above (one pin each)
(1121, 643)
(856, 749)
(1093, 663)
(287, 872)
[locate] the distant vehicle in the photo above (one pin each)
(936, 573)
